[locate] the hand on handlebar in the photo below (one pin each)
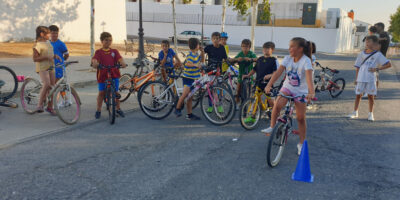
(267, 89)
(310, 96)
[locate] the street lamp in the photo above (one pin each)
(202, 4)
(141, 43)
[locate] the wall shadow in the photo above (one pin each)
(19, 18)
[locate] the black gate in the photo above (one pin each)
(309, 13)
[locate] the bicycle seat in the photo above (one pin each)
(334, 71)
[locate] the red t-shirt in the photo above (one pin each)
(109, 57)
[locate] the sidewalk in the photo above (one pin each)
(16, 126)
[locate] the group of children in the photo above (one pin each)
(298, 68)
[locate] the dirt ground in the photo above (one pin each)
(15, 50)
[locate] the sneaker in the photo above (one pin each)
(249, 120)
(178, 112)
(97, 115)
(267, 131)
(220, 109)
(371, 117)
(192, 117)
(210, 109)
(39, 109)
(120, 113)
(299, 147)
(353, 115)
(51, 111)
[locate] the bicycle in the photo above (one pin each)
(66, 100)
(231, 77)
(130, 84)
(282, 129)
(324, 82)
(110, 96)
(251, 108)
(156, 96)
(8, 86)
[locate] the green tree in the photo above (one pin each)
(242, 7)
(394, 28)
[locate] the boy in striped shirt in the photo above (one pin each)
(190, 74)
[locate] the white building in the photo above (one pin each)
(361, 33)
(331, 30)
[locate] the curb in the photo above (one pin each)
(58, 131)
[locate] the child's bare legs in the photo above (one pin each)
(100, 98)
(357, 102)
(45, 77)
(371, 99)
(238, 88)
(280, 102)
(52, 76)
(185, 92)
(270, 102)
(301, 119)
(189, 105)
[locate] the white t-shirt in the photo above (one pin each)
(296, 74)
(365, 76)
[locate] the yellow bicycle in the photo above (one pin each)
(250, 111)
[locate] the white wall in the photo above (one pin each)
(281, 35)
(19, 18)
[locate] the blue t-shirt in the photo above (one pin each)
(59, 49)
(170, 57)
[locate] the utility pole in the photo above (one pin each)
(92, 28)
(223, 15)
(175, 41)
(141, 43)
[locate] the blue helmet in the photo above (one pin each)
(224, 35)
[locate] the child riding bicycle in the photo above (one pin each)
(266, 65)
(190, 74)
(298, 82)
(106, 56)
(245, 59)
(166, 57)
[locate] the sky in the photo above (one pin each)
(370, 11)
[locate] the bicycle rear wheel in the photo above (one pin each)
(249, 119)
(125, 86)
(337, 87)
(8, 83)
(245, 89)
(110, 103)
(156, 101)
(222, 104)
(30, 93)
(67, 104)
(276, 144)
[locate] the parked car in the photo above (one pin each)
(185, 35)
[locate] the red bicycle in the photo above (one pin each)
(326, 81)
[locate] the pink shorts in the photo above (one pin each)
(289, 93)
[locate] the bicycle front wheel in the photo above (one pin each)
(337, 87)
(67, 104)
(155, 100)
(125, 87)
(110, 103)
(8, 83)
(276, 144)
(218, 105)
(30, 93)
(250, 113)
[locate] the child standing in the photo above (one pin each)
(245, 59)
(223, 42)
(43, 56)
(367, 64)
(266, 65)
(106, 56)
(190, 74)
(59, 49)
(166, 57)
(298, 82)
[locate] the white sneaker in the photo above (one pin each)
(353, 115)
(371, 117)
(267, 130)
(299, 147)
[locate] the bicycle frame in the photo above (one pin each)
(257, 96)
(142, 80)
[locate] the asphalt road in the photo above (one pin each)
(139, 158)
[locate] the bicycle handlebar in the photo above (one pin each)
(109, 67)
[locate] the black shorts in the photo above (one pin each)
(262, 85)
